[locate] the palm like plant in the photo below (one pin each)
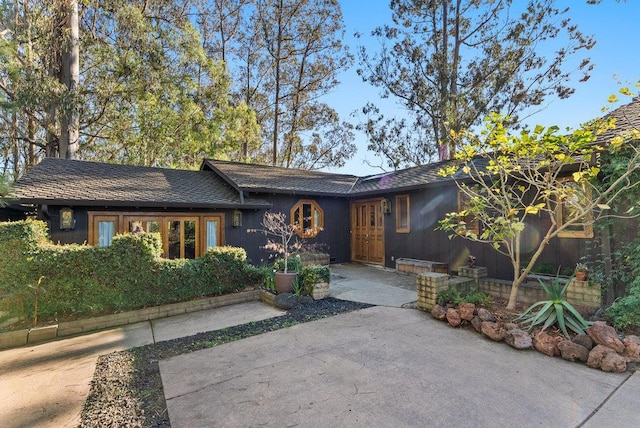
(556, 310)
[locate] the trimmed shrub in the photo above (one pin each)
(293, 264)
(79, 279)
(19, 246)
(314, 274)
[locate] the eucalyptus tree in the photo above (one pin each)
(155, 97)
(145, 91)
(284, 58)
(450, 62)
(29, 92)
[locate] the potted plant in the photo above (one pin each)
(280, 239)
(581, 271)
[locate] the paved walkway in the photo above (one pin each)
(371, 284)
(383, 366)
(46, 385)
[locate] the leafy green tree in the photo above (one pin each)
(450, 62)
(146, 92)
(514, 177)
(157, 98)
(5, 191)
(284, 57)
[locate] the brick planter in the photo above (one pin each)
(416, 267)
(309, 259)
(320, 290)
(13, 339)
(428, 285)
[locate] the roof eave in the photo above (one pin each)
(143, 204)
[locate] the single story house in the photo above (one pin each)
(374, 219)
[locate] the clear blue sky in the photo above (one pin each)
(616, 57)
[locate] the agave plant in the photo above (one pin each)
(556, 310)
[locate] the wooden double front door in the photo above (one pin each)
(367, 231)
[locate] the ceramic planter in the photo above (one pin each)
(284, 281)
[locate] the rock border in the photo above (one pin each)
(600, 348)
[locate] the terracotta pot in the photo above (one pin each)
(581, 276)
(284, 281)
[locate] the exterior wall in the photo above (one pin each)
(428, 206)
(423, 242)
(77, 235)
(333, 239)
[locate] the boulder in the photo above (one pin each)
(486, 315)
(438, 312)
(493, 331)
(453, 317)
(572, 351)
(597, 354)
(614, 363)
(518, 339)
(632, 348)
(286, 300)
(546, 343)
(305, 300)
(603, 334)
(584, 340)
(466, 311)
(476, 322)
(511, 326)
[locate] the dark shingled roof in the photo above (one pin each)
(74, 182)
(264, 178)
(408, 179)
(627, 119)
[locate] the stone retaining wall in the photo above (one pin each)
(429, 284)
(13, 339)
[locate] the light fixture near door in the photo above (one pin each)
(386, 206)
(67, 222)
(236, 220)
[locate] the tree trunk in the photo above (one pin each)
(69, 121)
(515, 286)
(277, 65)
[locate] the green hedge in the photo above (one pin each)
(79, 279)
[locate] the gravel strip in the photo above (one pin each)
(126, 389)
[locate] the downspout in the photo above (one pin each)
(241, 197)
(44, 210)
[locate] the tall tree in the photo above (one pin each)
(285, 57)
(70, 120)
(148, 93)
(450, 62)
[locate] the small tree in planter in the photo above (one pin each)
(281, 240)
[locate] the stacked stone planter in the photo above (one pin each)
(308, 259)
(428, 285)
(320, 290)
(416, 267)
(579, 293)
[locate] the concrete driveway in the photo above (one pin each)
(372, 284)
(389, 367)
